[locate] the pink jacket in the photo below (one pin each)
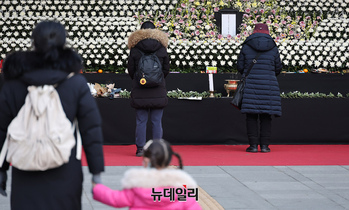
(142, 186)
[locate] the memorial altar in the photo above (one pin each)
(215, 121)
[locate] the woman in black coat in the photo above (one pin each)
(50, 63)
(148, 100)
(261, 98)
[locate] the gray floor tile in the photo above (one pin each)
(305, 203)
(282, 187)
(247, 187)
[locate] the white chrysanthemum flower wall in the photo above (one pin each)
(309, 33)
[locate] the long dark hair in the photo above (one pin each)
(160, 153)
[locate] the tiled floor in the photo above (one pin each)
(251, 187)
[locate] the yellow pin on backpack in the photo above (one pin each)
(143, 81)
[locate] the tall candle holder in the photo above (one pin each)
(210, 71)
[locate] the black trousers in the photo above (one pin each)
(258, 128)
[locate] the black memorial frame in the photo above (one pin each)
(218, 17)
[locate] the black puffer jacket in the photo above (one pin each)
(262, 93)
(65, 182)
(148, 41)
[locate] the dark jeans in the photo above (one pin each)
(141, 124)
(258, 128)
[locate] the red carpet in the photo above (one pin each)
(235, 155)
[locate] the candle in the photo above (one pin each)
(210, 79)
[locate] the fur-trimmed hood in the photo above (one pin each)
(151, 178)
(143, 34)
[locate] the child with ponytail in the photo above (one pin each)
(145, 188)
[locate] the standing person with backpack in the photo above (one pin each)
(261, 98)
(49, 66)
(148, 65)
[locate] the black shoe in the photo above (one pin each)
(139, 152)
(265, 148)
(252, 148)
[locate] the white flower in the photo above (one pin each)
(124, 56)
(119, 63)
(317, 63)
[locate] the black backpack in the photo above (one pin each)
(149, 72)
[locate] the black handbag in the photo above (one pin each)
(237, 98)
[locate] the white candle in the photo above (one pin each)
(210, 79)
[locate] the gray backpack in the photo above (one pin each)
(149, 72)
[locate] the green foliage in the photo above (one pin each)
(297, 94)
(125, 94)
(177, 94)
(181, 94)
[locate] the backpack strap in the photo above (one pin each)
(3, 152)
(68, 77)
(139, 50)
(75, 126)
(78, 139)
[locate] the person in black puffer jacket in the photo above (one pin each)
(261, 98)
(148, 100)
(50, 62)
